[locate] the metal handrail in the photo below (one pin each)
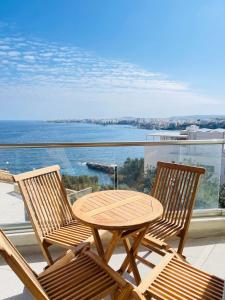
(112, 144)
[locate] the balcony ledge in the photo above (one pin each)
(200, 227)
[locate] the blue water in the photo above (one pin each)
(71, 160)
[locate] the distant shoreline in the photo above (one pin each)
(152, 124)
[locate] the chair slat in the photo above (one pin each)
(175, 187)
(177, 196)
(50, 211)
(75, 276)
(34, 206)
(20, 267)
(181, 197)
(45, 205)
(174, 279)
(54, 196)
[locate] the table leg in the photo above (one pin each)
(132, 263)
(116, 236)
(98, 242)
(131, 252)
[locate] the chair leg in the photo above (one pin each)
(124, 294)
(181, 244)
(115, 295)
(46, 253)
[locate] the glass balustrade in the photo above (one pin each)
(89, 169)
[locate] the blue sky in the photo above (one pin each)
(76, 59)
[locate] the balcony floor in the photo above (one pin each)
(205, 253)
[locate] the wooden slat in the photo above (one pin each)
(175, 187)
(71, 234)
(34, 206)
(173, 279)
(199, 170)
(123, 210)
(49, 209)
(76, 276)
(21, 268)
(83, 278)
(54, 204)
(35, 173)
(44, 205)
(53, 196)
(153, 275)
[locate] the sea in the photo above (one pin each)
(71, 160)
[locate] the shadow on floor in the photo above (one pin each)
(24, 296)
(32, 254)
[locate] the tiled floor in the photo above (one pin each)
(206, 253)
(12, 205)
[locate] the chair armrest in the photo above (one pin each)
(176, 254)
(80, 248)
(66, 258)
(136, 295)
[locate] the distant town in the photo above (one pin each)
(173, 123)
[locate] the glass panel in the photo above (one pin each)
(207, 156)
(85, 170)
(131, 173)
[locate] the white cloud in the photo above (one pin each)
(69, 77)
(5, 61)
(74, 67)
(29, 57)
(47, 54)
(13, 53)
(4, 47)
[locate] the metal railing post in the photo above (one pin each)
(115, 177)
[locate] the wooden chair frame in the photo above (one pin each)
(50, 212)
(175, 279)
(66, 278)
(175, 187)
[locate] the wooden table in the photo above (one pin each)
(123, 213)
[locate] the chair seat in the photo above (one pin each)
(82, 278)
(180, 281)
(70, 235)
(162, 229)
(79, 274)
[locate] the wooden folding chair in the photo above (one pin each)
(175, 187)
(175, 279)
(50, 211)
(77, 275)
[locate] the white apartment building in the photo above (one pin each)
(211, 156)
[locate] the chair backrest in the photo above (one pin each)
(20, 267)
(45, 199)
(175, 187)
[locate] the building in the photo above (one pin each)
(210, 156)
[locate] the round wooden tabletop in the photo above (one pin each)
(117, 209)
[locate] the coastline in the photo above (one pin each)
(175, 123)
(72, 160)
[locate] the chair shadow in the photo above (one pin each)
(24, 296)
